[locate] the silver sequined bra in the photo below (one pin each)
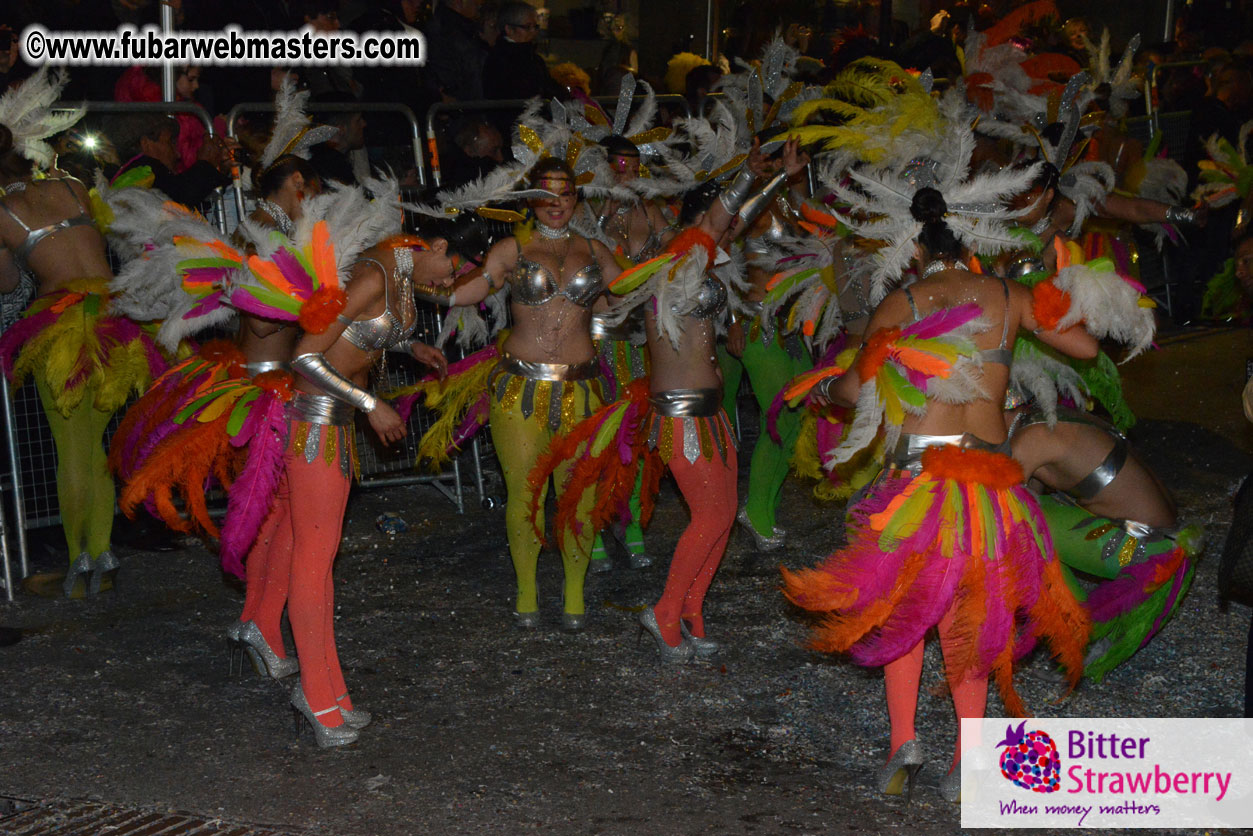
(710, 300)
(391, 327)
(531, 283)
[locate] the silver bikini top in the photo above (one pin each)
(533, 284)
(1002, 354)
(709, 302)
(391, 327)
(21, 255)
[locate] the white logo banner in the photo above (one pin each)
(1107, 773)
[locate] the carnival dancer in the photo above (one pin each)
(1114, 521)
(688, 426)
(947, 536)
(676, 422)
(547, 377)
(333, 368)
(284, 179)
(771, 358)
(85, 359)
(640, 229)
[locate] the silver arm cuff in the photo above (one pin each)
(315, 369)
(735, 195)
(1181, 215)
(757, 204)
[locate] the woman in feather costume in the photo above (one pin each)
(547, 377)
(947, 536)
(86, 360)
(1113, 520)
(675, 421)
(332, 370)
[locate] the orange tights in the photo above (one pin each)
(304, 530)
(902, 677)
(268, 572)
(708, 486)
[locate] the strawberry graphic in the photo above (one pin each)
(1030, 759)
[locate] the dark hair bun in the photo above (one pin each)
(928, 206)
(6, 140)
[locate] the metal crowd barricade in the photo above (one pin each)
(435, 111)
(338, 107)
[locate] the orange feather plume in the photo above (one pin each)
(981, 467)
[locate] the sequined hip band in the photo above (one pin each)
(548, 371)
(263, 366)
(909, 449)
(687, 403)
(320, 409)
(562, 403)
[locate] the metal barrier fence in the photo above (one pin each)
(439, 109)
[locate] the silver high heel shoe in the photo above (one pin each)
(105, 563)
(897, 777)
(600, 565)
(354, 718)
(704, 648)
(232, 632)
(764, 543)
(264, 659)
(951, 785)
(573, 622)
(79, 571)
(683, 652)
(526, 620)
(325, 736)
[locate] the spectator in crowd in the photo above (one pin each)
(617, 58)
(150, 139)
(143, 84)
(331, 159)
(323, 16)
(514, 69)
(455, 52)
(933, 48)
(700, 82)
(477, 148)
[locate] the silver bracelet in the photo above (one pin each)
(755, 205)
(1181, 215)
(314, 368)
(735, 195)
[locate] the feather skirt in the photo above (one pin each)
(71, 339)
(964, 535)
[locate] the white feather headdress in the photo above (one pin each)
(27, 112)
(294, 133)
(1122, 87)
(879, 203)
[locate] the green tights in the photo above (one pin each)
(519, 441)
(84, 486)
(770, 368)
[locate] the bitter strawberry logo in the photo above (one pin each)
(1030, 759)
